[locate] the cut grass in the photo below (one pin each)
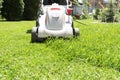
(95, 55)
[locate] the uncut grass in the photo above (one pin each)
(101, 44)
(94, 55)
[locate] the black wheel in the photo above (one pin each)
(33, 37)
(37, 22)
(41, 40)
(73, 29)
(77, 32)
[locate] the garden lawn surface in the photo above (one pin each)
(95, 55)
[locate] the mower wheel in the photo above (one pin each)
(37, 23)
(77, 32)
(42, 40)
(73, 28)
(34, 35)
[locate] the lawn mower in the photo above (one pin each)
(55, 21)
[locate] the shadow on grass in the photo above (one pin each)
(1, 20)
(29, 31)
(4, 20)
(53, 39)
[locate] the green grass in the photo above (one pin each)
(95, 55)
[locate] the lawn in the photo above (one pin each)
(95, 55)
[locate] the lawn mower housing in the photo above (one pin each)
(56, 21)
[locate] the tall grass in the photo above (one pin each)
(95, 55)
